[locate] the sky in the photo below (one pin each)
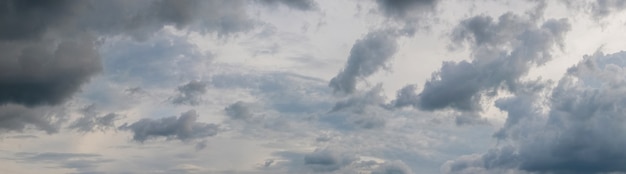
(313, 86)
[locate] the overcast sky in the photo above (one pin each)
(313, 86)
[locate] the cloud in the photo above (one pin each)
(190, 93)
(91, 121)
(364, 110)
(37, 72)
(24, 20)
(184, 128)
(503, 51)
(81, 162)
(411, 14)
(295, 4)
(367, 56)
(406, 8)
(603, 8)
(141, 19)
(325, 160)
(393, 167)
(20, 118)
(284, 92)
(50, 50)
(166, 61)
(239, 111)
(581, 132)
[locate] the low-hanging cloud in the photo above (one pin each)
(184, 128)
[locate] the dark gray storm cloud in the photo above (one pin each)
(38, 72)
(24, 20)
(190, 93)
(92, 120)
(296, 4)
(184, 128)
(406, 8)
(582, 131)
(367, 56)
(49, 48)
(503, 51)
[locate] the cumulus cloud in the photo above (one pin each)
(503, 51)
(367, 56)
(580, 133)
(190, 93)
(184, 128)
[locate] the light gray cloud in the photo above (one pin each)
(393, 167)
(283, 92)
(597, 9)
(167, 61)
(141, 19)
(190, 93)
(603, 8)
(367, 56)
(503, 51)
(92, 120)
(364, 110)
(580, 133)
(79, 162)
(296, 4)
(184, 128)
